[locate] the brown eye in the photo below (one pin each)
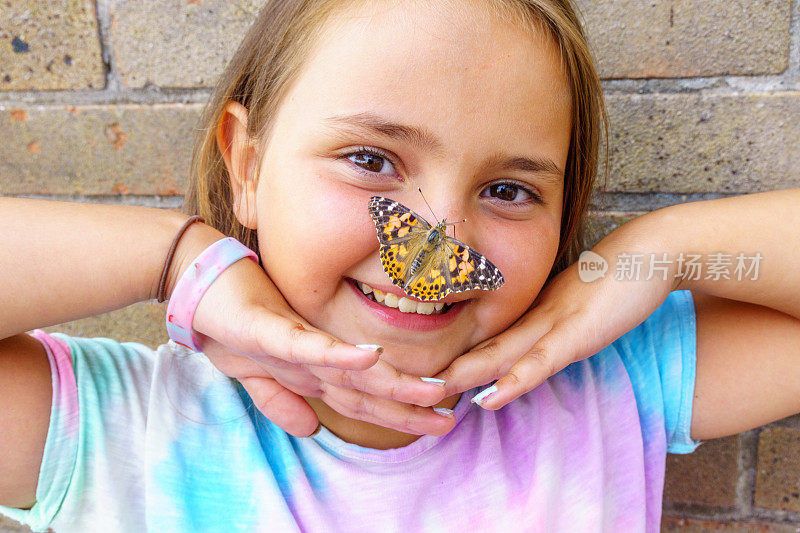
(511, 194)
(373, 163)
(370, 161)
(504, 191)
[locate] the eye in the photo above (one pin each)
(371, 160)
(511, 193)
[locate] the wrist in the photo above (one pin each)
(195, 239)
(201, 272)
(644, 249)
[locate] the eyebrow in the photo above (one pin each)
(427, 140)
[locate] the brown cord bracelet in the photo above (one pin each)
(162, 284)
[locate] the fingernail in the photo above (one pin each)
(444, 411)
(434, 380)
(370, 347)
(481, 396)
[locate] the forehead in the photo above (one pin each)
(466, 74)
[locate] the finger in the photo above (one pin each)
(291, 341)
(548, 356)
(284, 408)
(385, 381)
(234, 364)
(494, 357)
(402, 417)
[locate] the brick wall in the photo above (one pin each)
(98, 101)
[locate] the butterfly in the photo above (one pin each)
(422, 260)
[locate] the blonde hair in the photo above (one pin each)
(279, 41)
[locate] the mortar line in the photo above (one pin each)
(113, 82)
(632, 202)
(115, 94)
(793, 70)
(746, 471)
(163, 202)
(150, 95)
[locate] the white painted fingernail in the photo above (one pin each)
(370, 347)
(433, 380)
(444, 411)
(481, 396)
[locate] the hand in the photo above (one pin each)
(570, 320)
(249, 332)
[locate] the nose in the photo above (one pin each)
(440, 203)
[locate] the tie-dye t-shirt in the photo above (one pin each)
(144, 440)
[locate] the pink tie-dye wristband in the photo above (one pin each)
(194, 283)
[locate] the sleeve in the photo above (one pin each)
(98, 413)
(660, 358)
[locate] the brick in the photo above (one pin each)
(789, 422)
(778, 469)
(96, 150)
(142, 322)
(598, 225)
(177, 43)
(707, 476)
(687, 525)
(50, 45)
(704, 143)
(683, 38)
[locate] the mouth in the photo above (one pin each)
(406, 313)
(401, 303)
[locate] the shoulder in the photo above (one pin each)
(660, 357)
(116, 400)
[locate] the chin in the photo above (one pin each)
(423, 361)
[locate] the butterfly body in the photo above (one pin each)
(422, 260)
(432, 242)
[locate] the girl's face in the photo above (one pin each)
(470, 108)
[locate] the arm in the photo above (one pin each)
(108, 257)
(748, 331)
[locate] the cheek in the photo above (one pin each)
(525, 258)
(310, 237)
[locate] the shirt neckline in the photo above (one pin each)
(354, 452)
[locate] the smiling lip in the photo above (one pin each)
(412, 321)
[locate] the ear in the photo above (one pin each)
(239, 153)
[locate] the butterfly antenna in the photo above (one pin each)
(454, 226)
(429, 205)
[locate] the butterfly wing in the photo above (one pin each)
(401, 234)
(468, 269)
(395, 222)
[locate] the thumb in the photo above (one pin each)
(555, 350)
(283, 407)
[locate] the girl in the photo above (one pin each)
(493, 108)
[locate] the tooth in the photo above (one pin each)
(379, 295)
(425, 308)
(391, 300)
(438, 306)
(366, 289)
(407, 306)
